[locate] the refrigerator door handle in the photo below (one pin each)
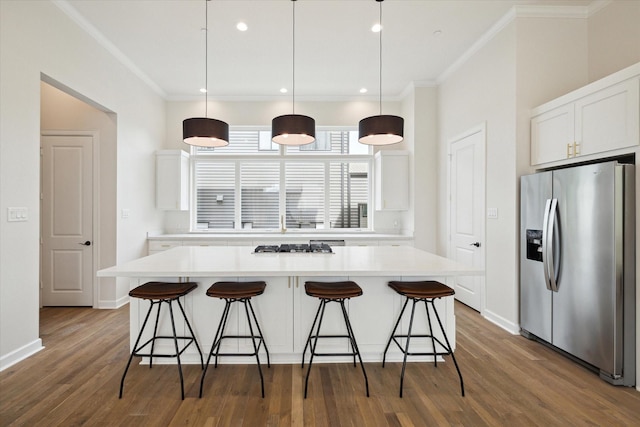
(553, 211)
(545, 243)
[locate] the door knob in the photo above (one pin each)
(476, 244)
(87, 243)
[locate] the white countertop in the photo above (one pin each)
(275, 236)
(213, 261)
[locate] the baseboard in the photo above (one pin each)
(512, 328)
(113, 304)
(20, 354)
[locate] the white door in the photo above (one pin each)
(67, 220)
(467, 194)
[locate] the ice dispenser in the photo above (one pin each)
(534, 245)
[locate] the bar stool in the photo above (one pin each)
(237, 292)
(158, 293)
(331, 292)
(426, 291)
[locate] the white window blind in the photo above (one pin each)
(253, 183)
(305, 202)
(260, 195)
(215, 195)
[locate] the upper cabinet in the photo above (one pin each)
(172, 180)
(599, 119)
(392, 180)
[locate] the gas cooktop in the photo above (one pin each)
(294, 248)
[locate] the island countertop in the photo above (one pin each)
(195, 261)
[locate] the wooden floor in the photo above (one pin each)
(509, 381)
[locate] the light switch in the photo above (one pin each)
(17, 214)
(126, 213)
(492, 213)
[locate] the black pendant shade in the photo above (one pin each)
(205, 132)
(381, 130)
(293, 129)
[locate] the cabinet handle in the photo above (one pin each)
(576, 148)
(569, 151)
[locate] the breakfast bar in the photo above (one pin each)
(284, 310)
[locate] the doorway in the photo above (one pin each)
(466, 214)
(67, 219)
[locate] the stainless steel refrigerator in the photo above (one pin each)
(577, 265)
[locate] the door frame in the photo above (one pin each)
(482, 129)
(95, 208)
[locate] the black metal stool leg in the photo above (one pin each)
(313, 325)
(313, 344)
(406, 350)
(449, 348)
(354, 345)
(135, 347)
(175, 341)
(255, 347)
(155, 332)
(384, 355)
(433, 339)
(255, 319)
(195, 341)
(215, 343)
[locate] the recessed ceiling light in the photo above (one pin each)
(203, 90)
(242, 26)
(284, 90)
(437, 33)
(376, 28)
(363, 90)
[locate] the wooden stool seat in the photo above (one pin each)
(162, 290)
(158, 293)
(425, 291)
(422, 289)
(236, 289)
(333, 290)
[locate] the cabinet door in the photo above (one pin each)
(392, 180)
(608, 119)
(552, 135)
(172, 180)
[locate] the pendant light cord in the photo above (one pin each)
(293, 62)
(206, 57)
(380, 57)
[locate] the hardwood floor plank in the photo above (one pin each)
(509, 381)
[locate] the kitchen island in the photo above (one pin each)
(284, 310)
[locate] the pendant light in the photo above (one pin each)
(293, 129)
(203, 131)
(381, 129)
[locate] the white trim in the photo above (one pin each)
(76, 17)
(597, 6)
(512, 328)
(521, 11)
(20, 354)
(113, 304)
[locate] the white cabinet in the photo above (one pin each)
(156, 246)
(172, 180)
(392, 180)
(598, 118)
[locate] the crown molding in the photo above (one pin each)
(75, 16)
(518, 11)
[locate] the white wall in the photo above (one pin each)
(35, 38)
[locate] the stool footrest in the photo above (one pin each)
(137, 353)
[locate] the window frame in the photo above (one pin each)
(282, 158)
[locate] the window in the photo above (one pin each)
(255, 184)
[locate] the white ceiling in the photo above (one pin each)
(336, 52)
